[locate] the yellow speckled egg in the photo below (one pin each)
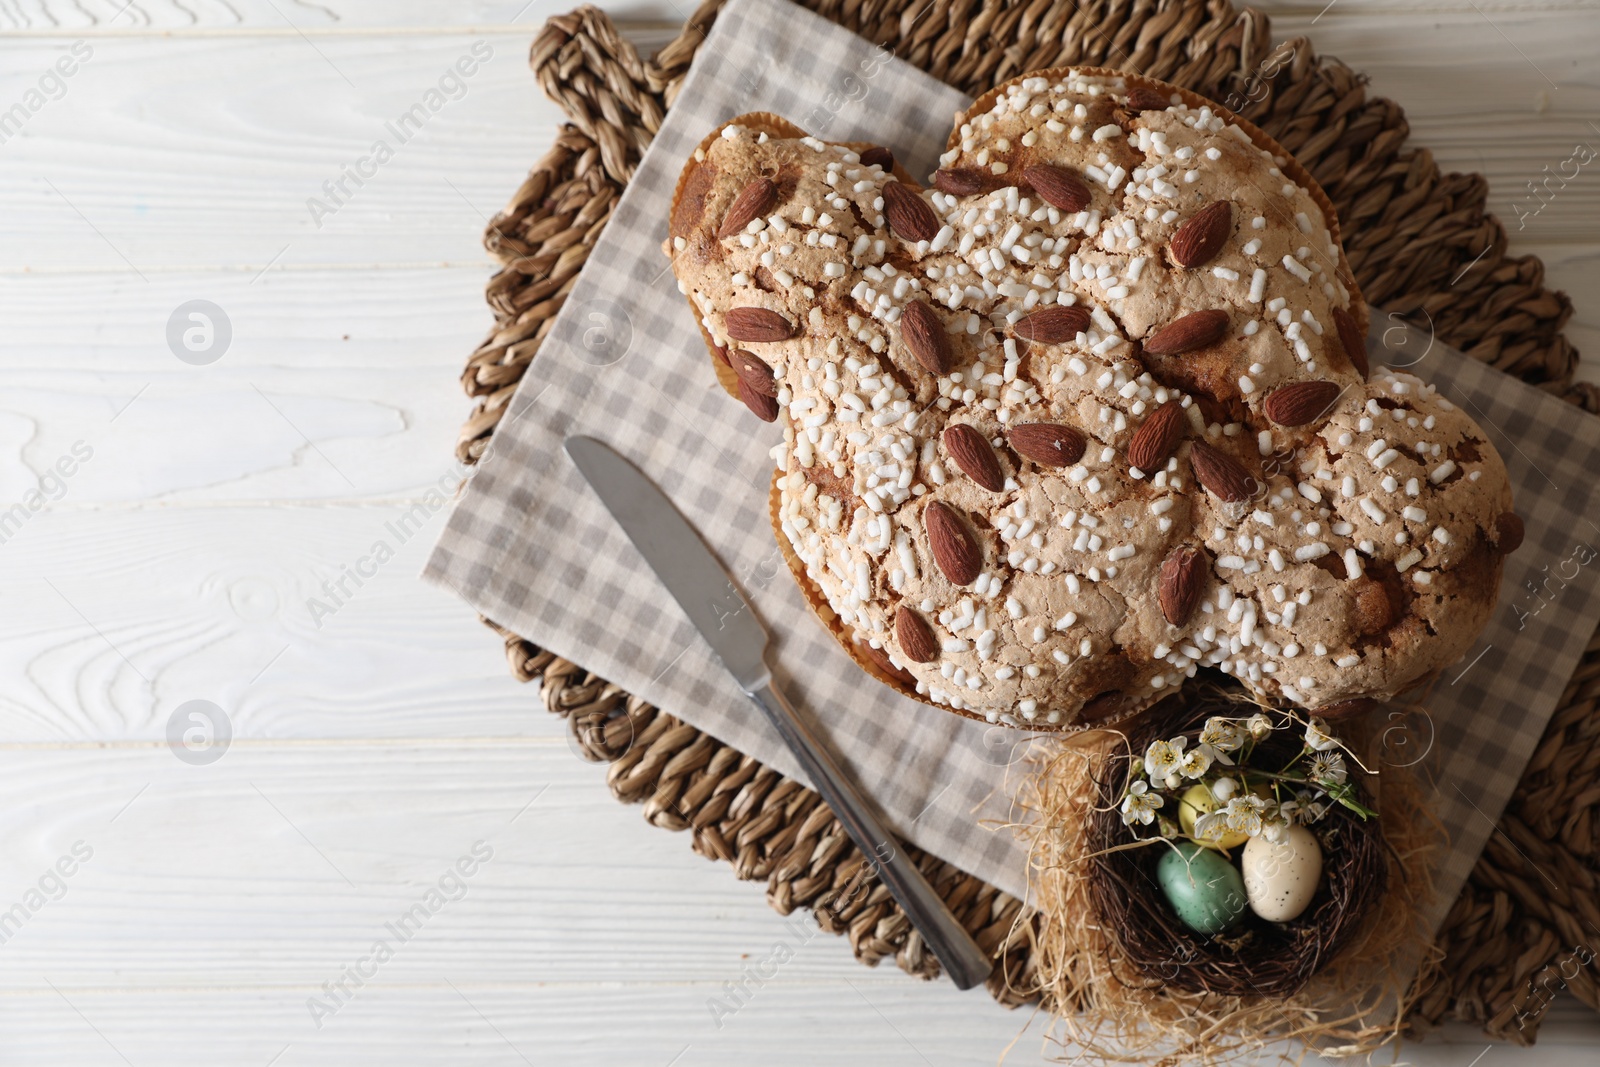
(1281, 878)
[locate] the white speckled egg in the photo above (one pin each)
(1280, 879)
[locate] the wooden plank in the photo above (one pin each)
(311, 17)
(1322, 12)
(119, 616)
(240, 434)
(405, 318)
(876, 1019)
(235, 151)
(336, 385)
(326, 17)
(279, 866)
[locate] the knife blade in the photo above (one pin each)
(675, 551)
(724, 617)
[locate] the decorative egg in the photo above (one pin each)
(1196, 801)
(1280, 878)
(1203, 888)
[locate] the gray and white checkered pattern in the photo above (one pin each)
(531, 547)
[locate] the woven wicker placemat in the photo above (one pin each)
(1420, 243)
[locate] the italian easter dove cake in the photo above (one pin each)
(1090, 414)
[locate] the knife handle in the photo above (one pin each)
(965, 963)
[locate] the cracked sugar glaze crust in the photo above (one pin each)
(1088, 415)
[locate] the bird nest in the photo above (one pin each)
(1256, 958)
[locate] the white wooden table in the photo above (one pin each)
(378, 737)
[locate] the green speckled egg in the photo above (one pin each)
(1203, 888)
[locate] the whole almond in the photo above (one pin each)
(881, 658)
(924, 334)
(1195, 330)
(1183, 574)
(752, 324)
(961, 181)
(1053, 325)
(1508, 530)
(753, 201)
(957, 554)
(1372, 609)
(1058, 187)
(910, 218)
(1300, 402)
(1048, 444)
(764, 407)
(878, 156)
(1219, 472)
(1350, 339)
(1200, 238)
(1156, 437)
(721, 352)
(753, 371)
(1142, 99)
(915, 637)
(975, 456)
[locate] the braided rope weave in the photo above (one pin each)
(1420, 244)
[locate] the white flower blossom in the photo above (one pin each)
(1224, 788)
(1306, 807)
(1243, 814)
(1258, 725)
(1140, 804)
(1222, 736)
(1328, 767)
(1197, 761)
(1317, 736)
(1211, 826)
(1163, 757)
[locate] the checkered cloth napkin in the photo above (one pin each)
(530, 546)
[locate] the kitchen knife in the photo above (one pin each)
(719, 610)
